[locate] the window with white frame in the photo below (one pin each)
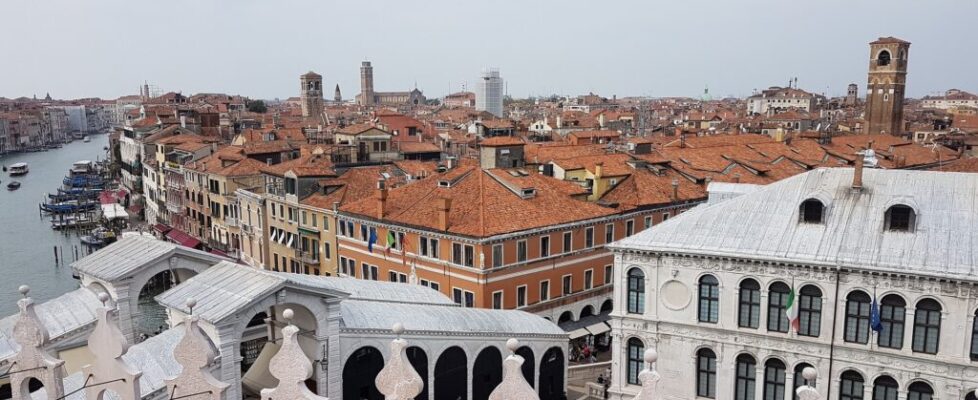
(588, 279)
(545, 246)
(608, 272)
(567, 284)
(521, 251)
(520, 296)
(568, 242)
(629, 227)
(497, 255)
(609, 233)
(545, 290)
(497, 300)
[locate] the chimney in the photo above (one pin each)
(382, 195)
(336, 206)
(559, 122)
(444, 206)
(598, 170)
(183, 121)
(857, 172)
(675, 190)
(601, 120)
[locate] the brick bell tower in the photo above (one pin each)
(311, 94)
(886, 86)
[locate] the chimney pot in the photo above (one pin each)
(382, 195)
(675, 190)
(857, 172)
(444, 206)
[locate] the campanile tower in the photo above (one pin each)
(886, 86)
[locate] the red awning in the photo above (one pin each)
(182, 238)
(162, 228)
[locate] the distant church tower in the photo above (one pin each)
(311, 93)
(366, 84)
(337, 97)
(886, 86)
(852, 93)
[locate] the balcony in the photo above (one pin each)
(231, 222)
(306, 257)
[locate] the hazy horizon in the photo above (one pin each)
(107, 49)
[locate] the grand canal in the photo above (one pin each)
(26, 239)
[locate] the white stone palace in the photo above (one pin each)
(708, 291)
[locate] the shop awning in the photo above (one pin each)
(182, 238)
(113, 211)
(579, 333)
(162, 228)
(598, 328)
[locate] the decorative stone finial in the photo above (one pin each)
(108, 345)
(514, 385)
(32, 361)
(195, 353)
(651, 356)
(291, 367)
(24, 290)
(649, 378)
(191, 303)
(512, 344)
(398, 380)
(806, 392)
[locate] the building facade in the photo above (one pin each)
(712, 294)
(489, 95)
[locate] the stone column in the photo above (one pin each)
(128, 309)
(328, 335)
(229, 342)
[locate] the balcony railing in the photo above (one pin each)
(307, 257)
(231, 221)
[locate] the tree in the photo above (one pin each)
(257, 106)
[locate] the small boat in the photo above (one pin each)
(70, 206)
(13, 185)
(98, 238)
(83, 167)
(87, 139)
(18, 169)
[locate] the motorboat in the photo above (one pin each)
(13, 185)
(70, 206)
(18, 169)
(86, 139)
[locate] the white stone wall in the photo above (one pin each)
(670, 325)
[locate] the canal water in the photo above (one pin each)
(26, 239)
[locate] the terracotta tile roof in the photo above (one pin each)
(417, 168)
(888, 39)
(306, 165)
(275, 146)
(481, 205)
(605, 134)
(502, 141)
(354, 184)
(612, 164)
(498, 123)
(357, 129)
(643, 188)
(418, 147)
(961, 165)
(544, 153)
(227, 161)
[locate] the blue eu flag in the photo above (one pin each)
(373, 239)
(874, 317)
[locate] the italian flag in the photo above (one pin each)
(792, 311)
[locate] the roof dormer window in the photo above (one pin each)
(812, 211)
(900, 218)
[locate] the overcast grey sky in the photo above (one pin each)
(74, 48)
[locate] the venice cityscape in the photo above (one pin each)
(460, 201)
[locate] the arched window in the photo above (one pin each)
(811, 211)
(920, 391)
(883, 59)
(900, 218)
(851, 386)
(749, 314)
(706, 373)
(744, 388)
(709, 310)
(885, 388)
(974, 338)
(774, 379)
(893, 312)
(857, 317)
(971, 396)
(810, 311)
(777, 303)
(636, 291)
(636, 351)
(927, 326)
(800, 380)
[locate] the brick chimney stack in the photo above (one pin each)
(382, 195)
(444, 206)
(675, 190)
(857, 172)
